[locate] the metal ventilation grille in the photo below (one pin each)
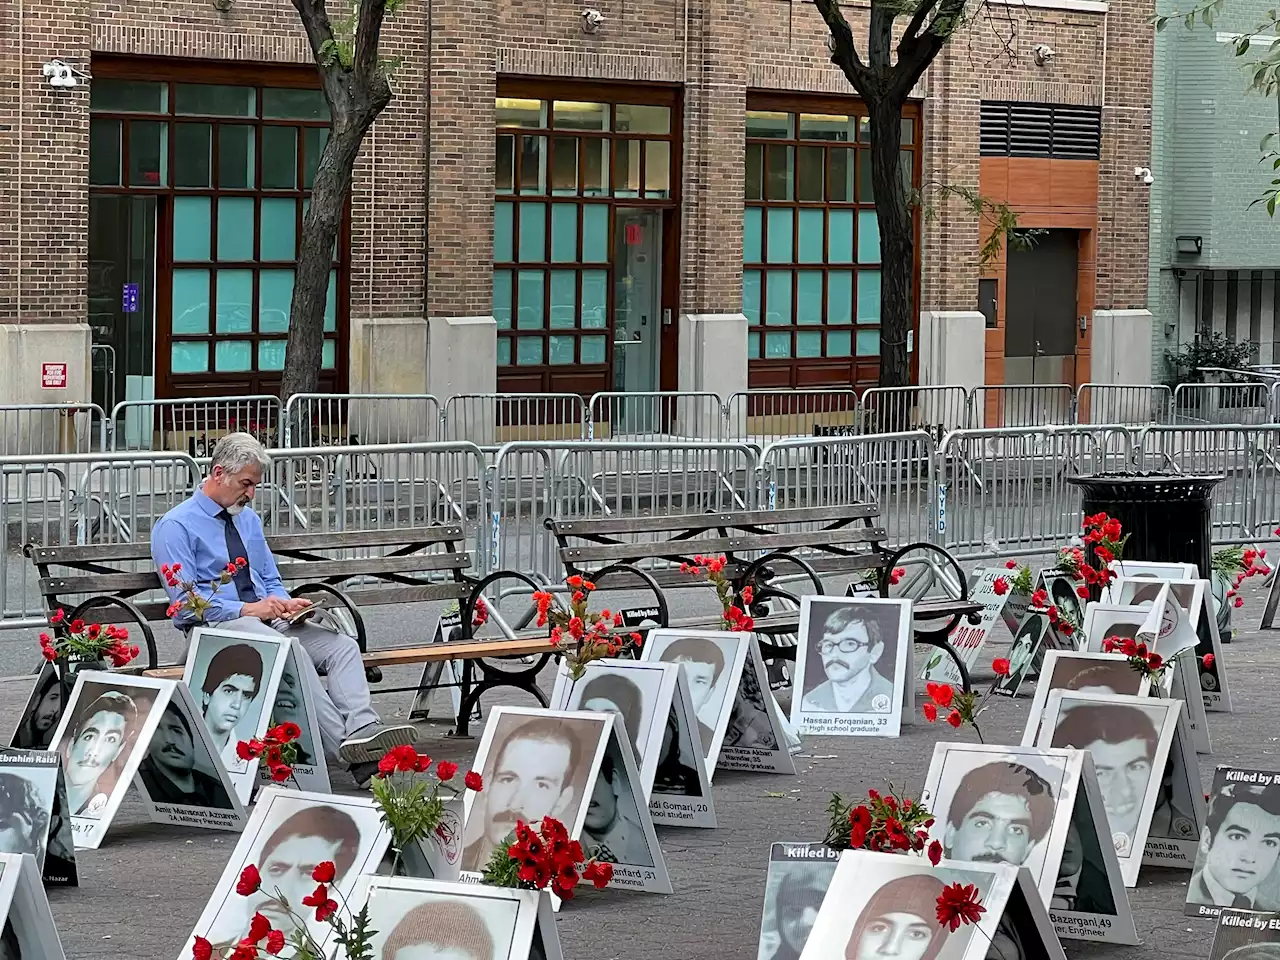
(1062, 131)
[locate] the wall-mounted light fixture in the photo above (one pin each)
(222, 6)
(62, 74)
(1189, 245)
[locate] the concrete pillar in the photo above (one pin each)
(713, 359)
(1121, 356)
(952, 353)
(462, 357)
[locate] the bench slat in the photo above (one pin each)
(739, 544)
(712, 521)
(470, 650)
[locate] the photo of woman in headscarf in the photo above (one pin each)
(900, 921)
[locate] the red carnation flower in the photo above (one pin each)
(935, 852)
(1000, 586)
(473, 781)
(324, 872)
(930, 712)
(1001, 666)
(446, 770)
(275, 942)
(250, 881)
(955, 719)
(202, 949)
(959, 905)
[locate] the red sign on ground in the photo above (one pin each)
(53, 376)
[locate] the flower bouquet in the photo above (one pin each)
(580, 635)
(277, 751)
(189, 598)
(87, 644)
(544, 859)
(732, 616)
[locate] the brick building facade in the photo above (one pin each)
(481, 193)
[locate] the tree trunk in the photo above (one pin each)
(329, 193)
(897, 241)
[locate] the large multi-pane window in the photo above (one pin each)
(563, 166)
(232, 165)
(811, 243)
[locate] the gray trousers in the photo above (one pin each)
(346, 705)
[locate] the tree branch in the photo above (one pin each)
(880, 37)
(368, 34)
(916, 52)
(315, 20)
(844, 52)
(917, 21)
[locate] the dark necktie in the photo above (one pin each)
(235, 548)
(1241, 902)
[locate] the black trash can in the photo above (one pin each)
(1167, 517)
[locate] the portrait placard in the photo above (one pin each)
(415, 919)
(1027, 651)
(293, 704)
(1236, 857)
(535, 764)
(968, 639)
(1246, 935)
(28, 929)
(756, 738)
(1030, 807)
(877, 900)
(1139, 569)
(1086, 672)
(233, 678)
(40, 716)
(1063, 589)
(102, 738)
(1129, 739)
(714, 661)
(181, 777)
(1103, 620)
(652, 699)
(851, 666)
(799, 874)
(33, 813)
(288, 833)
(1179, 817)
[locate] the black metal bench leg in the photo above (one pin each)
(491, 679)
(941, 642)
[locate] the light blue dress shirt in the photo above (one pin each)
(193, 535)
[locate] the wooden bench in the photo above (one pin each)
(835, 540)
(102, 579)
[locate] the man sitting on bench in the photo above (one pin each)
(214, 527)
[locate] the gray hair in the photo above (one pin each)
(236, 451)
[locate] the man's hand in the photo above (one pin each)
(272, 608)
(294, 604)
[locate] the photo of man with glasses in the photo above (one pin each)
(849, 642)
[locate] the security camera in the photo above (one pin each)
(591, 20)
(1143, 174)
(1042, 53)
(59, 74)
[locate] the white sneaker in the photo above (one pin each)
(371, 741)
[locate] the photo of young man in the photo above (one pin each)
(44, 710)
(534, 767)
(442, 928)
(611, 830)
(851, 643)
(999, 812)
(675, 777)
(226, 687)
(291, 850)
(97, 744)
(1023, 652)
(1123, 741)
(1239, 848)
(1062, 593)
(617, 694)
(749, 725)
(26, 800)
(704, 659)
(170, 771)
(794, 892)
(290, 708)
(1082, 885)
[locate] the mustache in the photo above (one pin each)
(989, 858)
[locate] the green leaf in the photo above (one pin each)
(1271, 205)
(1242, 47)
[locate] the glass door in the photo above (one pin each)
(122, 296)
(637, 315)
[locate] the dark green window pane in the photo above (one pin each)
(128, 96)
(235, 157)
(148, 158)
(908, 131)
(286, 104)
(211, 100)
(840, 169)
(192, 155)
(779, 172)
(810, 173)
(279, 158)
(564, 166)
(595, 168)
(626, 168)
(866, 193)
(104, 152)
(533, 164)
(505, 153)
(313, 141)
(754, 186)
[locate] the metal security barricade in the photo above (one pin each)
(1237, 453)
(1021, 405)
(937, 410)
(102, 369)
(764, 416)
(193, 425)
(79, 499)
(51, 428)
(659, 415)
(893, 470)
(491, 419)
(353, 419)
(1223, 403)
(1128, 404)
(1005, 491)
(530, 482)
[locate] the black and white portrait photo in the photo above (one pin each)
(613, 830)
(43, 711)
(1105, 620)
(1082, 673)
(26, 806)
(1239, 846)
(798, 877)
(625, 688)
(1063, 595)
(229, 677)
(1023, 654)
(179, 768)
(97, 739)
(289, 707)
(1128, 739)
(1243, 934)
(750, 726)
(676, 773)
(534, 764)
(288, 835)
(1082, 884)
(415, 926)
(850, 669)
(713, 663)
